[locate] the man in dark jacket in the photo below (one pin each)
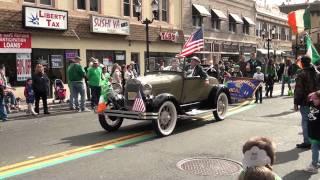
(307, 81)
(252, 64)
(286, 74)
(195, 69)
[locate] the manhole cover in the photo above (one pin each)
(210, 166)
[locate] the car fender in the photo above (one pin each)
(161, 98)
(215, 91)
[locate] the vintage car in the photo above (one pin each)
(168, 95)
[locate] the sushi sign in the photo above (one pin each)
(34, 17)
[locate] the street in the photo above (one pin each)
(50, 147)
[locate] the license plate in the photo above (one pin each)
(132, 95)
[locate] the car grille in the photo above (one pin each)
(132, 86)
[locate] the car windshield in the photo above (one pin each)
(166, 64)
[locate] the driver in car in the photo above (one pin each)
(174, 66)
(195, 69)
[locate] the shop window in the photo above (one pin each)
(197, 21)
(94, 5)
(164, 11)
(107, 57)
(216, 23)
(81, 4)
(232, 26)
(126, 7)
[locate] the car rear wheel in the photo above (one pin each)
(110, 123)
(167, 119)
(221, 105)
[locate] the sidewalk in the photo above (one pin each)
(54, 108)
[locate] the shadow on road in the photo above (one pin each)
(287, 156)
(298, 175)
(280, 114)
(102, 136)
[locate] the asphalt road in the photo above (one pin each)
(140, 155)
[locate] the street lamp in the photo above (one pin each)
(155, 12)
(269, 39)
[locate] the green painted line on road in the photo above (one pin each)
(76, 156)
(245, 108)
(61, 160)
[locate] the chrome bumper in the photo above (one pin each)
(132, 115)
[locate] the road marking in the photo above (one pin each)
(62, 157)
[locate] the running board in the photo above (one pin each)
(197, 112)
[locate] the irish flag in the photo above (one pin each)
(312, 51)
(299, 20)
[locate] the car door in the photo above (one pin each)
(194, 90)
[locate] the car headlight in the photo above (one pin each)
(117, 88)
(147, 89)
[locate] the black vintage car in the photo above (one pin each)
(168, 94)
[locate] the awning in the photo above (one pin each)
(236, 18)
(279, 52)
(265, 51)
(219, 14)
(249, 21)
(201, 10)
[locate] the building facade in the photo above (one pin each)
(52, 32)
(229, 27)
(315, 24)
(272, 24)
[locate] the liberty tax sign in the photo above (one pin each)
(45, 18)
(109, 25)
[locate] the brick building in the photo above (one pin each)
(273, 24)
(229, 27)
(53, 31)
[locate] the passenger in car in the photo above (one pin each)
(195, 69)
(174, 66)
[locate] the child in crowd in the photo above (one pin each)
(314, 131)
(3, 111)
(259, 156)
(29, 94)
(260, 77)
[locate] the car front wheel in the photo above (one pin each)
(167, 119)
(221, 105)
(110, 123)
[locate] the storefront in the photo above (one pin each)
(111, 40)
(230, 52)
(247, 50)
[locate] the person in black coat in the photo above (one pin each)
(252, 65)
(286, 74)
(40, 87)
(195, 69)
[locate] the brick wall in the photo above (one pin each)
(11, 21)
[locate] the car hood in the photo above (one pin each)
(156, 79)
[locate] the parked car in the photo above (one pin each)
(167, 96)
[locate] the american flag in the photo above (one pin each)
(194, 43)
(138, 104)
